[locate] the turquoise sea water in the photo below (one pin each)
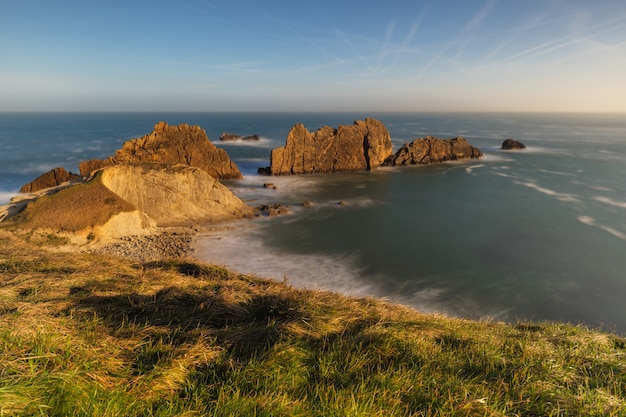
(537, 234)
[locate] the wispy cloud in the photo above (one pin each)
(582, 34)
(462, 40)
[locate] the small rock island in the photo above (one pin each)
(431, 150)
(511, 145)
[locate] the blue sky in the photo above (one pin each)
(313, 55)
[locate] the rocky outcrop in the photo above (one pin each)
(53, 178)
(174, 195)
(360, 147)
(231, 137)
(182, 144)
(128, 200)
(511, 144)
(430, 150)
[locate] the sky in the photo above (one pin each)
(313, 55)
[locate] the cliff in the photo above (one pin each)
(174, 195)
(131, 200)
(360, 147)
(182, 144)
(431, 150)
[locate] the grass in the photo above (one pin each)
(72, 209)
(90, 335)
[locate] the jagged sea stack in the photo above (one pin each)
(431, 150)
(362, 146)
(182, 144)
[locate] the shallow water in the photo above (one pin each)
(535, 234)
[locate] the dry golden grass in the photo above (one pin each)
(72, 209)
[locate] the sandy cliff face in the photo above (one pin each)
(360, 147)
(174, 195)
(128, 200)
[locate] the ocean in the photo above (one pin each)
(538, 234)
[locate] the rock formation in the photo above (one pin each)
(174, 195)
(430, 150)
(362, 146)
(130, 200)
(55, 177)
(231, 137)
(183, 144)
(511, 144)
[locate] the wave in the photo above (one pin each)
(546, 171)
(590, 221)
(35, 169)
(473, 167)
(6, 196)
(241, 249)
(559, 196)
(263, 142)
(611, 202)
(496, 156)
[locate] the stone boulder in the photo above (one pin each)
(174, 195)
(360, 147)
(50, 179)
(430, 150)
(182, 144)
(511, 144)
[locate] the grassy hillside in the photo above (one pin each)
(72, 209)
(89, 335)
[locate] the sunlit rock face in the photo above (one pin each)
(174, 194)
(52, 178)
(182, 144)
(362, 146)
(431, 150)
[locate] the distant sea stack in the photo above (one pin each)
(362, 146)
(231, 137)
(431, 150)
(182, 144)
(511, 144)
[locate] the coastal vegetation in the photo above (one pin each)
(85, 334)
(103, 325)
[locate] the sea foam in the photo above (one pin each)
(241, 250)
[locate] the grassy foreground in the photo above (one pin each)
(89, 335)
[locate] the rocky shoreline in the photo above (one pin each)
(144, 202)
(162, 245)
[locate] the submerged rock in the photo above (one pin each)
(431, 150)
(182, 144)
(272, 210)
(50, 179)
(360, 147)
(511, 144)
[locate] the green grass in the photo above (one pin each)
(87, 335)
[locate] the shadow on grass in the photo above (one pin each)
(245, 328)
